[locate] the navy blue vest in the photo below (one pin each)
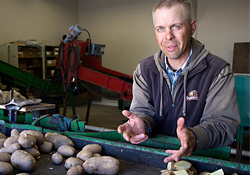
(197, 86)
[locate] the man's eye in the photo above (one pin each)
(176, 27)
(160, 29)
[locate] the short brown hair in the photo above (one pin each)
(169, 3)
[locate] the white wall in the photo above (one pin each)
(124, 26)
(43, 20)
(221, 23)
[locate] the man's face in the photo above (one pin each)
(173, 32)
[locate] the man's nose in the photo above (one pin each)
(169, 35)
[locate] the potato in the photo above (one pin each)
(5, 157)
(205, 173)
(2, 136)
(22, 174)
(75, 170)
(96, 155)
(33, 151)
(27, 140)
(46, 147)
(175, 167)
(11, 149)
(14, 133)
(9, 141)
(5, 168)
(72, 161)
(218, 172)
(102, 165)
(2, 142)
(182, 165)
(66, 151)
(22, 160)
(57, 158)
(88, 151)
(38, 135)
(58, 139)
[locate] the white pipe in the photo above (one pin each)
(244, 152)
(96, 128)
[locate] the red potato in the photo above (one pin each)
(22, 160)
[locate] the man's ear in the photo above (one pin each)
(193, 26)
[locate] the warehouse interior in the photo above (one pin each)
(123, 31)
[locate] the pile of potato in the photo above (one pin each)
(183, 167)
(21, 150)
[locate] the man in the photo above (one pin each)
(182, 90)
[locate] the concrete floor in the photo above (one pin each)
(105, 114)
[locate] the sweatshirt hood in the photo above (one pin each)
(198, 53)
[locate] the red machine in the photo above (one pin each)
(79, 60)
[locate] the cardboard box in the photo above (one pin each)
(20, 54)
(55, 53)
(51, 63)
(52, 72)
(48, 53)
(56, 49)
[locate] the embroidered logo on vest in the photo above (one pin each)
(193, 95)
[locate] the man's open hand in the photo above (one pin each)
(134, 130)
(188, 142)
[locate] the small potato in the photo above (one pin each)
(38, 135)
(58, 139)
(5, 168)
(57, 158)
(14, 133)
(33, 151)
(11, 149)
(75, 170)
(46, 147)
(88, 151)
(66, 151)
(22, 160)
(72, 161)
(102, 165)
(96, 155)
(5, 157)
(27, 140)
